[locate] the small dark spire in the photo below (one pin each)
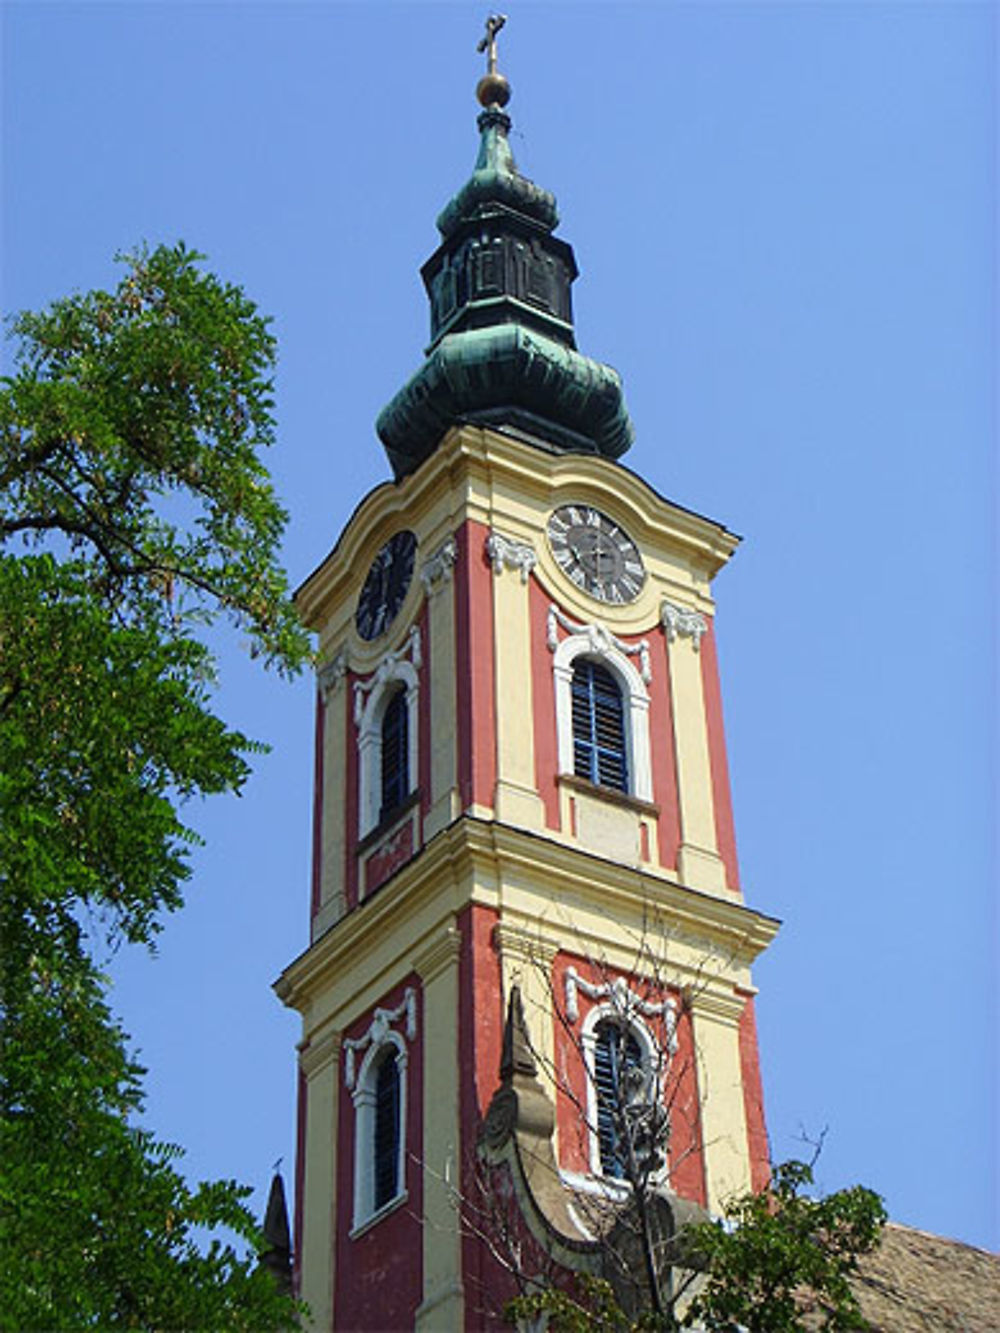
(276, 1256)
(517, 1056)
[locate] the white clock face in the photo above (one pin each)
(598, 555)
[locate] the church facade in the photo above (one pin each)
(527, 926)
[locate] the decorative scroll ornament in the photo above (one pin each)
(625, 1002)
(515, 555)
(378, 1030)
(437, 569)
(385, 670)
(678, 620)
(601, 640)
(331, 673)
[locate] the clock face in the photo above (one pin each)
(386, 585)
(598, 555)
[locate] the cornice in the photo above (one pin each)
(528, 944)
(440, 953)
(472, 860)
(470, 474)
(717, 1003)
(739, 932)
(436, 871)
(318, 1053)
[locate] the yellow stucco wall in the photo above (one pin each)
(585, 886)
(510, 489)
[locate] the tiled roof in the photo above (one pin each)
(919, 1283)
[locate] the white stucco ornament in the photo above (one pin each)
(600, 640)
(331, 674)
(624, 1001)
(505, 551)
(383, 1020)
(387, 669)
(437, 568)
(679, 621)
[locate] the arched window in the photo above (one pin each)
(602, 716)
(617, 1061)
(379, 1097)
(385, 1144)
(387, 749)
(395, 753)
(600, 751)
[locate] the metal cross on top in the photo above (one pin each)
(489, 43)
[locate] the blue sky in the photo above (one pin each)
(784, 217)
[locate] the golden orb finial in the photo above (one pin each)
(492, 89)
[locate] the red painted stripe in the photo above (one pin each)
(317, 819)
(725, 831)
(753, 1099)
(662, 753)
(480, 1035)
(351, 778)
(687, 1157)
(424, 715)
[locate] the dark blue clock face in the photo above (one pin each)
(386, 586)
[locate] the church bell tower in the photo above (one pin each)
(524, 860)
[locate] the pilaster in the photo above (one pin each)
(437, 577)
(516, 798)
(319, 1061)
(332, 903)
(715, 1015)
(443, 1307)
(699, 864)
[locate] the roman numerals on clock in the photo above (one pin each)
(386, 586)
(596, 553)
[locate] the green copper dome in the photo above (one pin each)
(495, 180)
(502, 347)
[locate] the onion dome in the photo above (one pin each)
(502, 349)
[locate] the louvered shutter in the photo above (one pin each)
(395, 753)
(615, 1050)
(387, 1129)
(598, 713)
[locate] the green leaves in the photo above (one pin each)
(104, 727)
(97, 1228)
(780, 1262)
(785, 1257)
(160, 390)
(135, 511)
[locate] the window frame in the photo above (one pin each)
(651, 1061)
(364, 1098)
(635, 711)
(370, 811)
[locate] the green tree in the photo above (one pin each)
(780, 1262)
(785, 1260)
(135, 512)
